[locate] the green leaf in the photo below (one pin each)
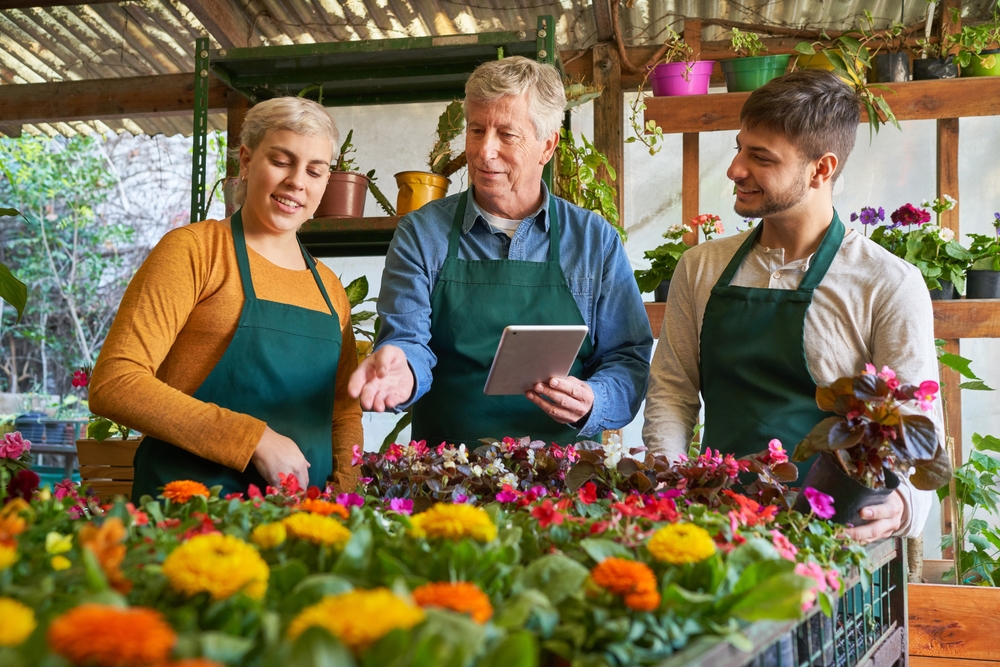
(600, 549)
(958, 363)
(519, 649)
(390, 439)
(12, 290)
(286, 576)
(357, 553)
(224, 648)
(778, 598)
(357, 291)
(555, 575)
(986, 443)
(318, 648)
(976, 385)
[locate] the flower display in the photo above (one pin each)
(461, 596)
(18, 622)
(324, 507)
(358, 618)
(454, 522)
(217, 564)
(318, 529)
(681, 543)
(103, 636)
(105, 542)
(632, 580)
(664, 258)
(183, 490)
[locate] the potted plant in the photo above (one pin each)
(357, 294)
(977, 50)
(872, 436)
(677, 72)
(416, 188)
(890, 62)
(345, 191)
(577, 180)
(750, 69)
(664, 258)
(983, 278)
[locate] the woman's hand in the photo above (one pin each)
(276, 454)
(383, 380)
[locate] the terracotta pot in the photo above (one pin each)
(344, 197)
(416, 188)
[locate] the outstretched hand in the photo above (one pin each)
(383, 380)
(566, 400)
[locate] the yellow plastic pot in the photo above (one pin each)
(416, 188)
(817, 61)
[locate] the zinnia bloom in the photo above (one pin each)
(8, 555)
(183, 490)
(269, 535)
(631, 579)
(461, 596)
(102, 636)
(454, 522)
(106, 543)
(317, 529)
(324, 507)
(820, 503)
(358, 618)
(217, 564)
(680, 543)
(18, 622)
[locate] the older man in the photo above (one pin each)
(506, 252)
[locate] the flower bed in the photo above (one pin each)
(517, 553)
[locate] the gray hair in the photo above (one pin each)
(516, 76)
(295, 114)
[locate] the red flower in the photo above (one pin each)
(81, 378)
(749, 512)
(253, 491)
(22, 485)
(289, 483)
(547, 514)
(587, 493)
(313, 492)
(598, 527)
(205, 527)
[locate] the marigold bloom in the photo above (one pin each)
(106, 544)
(269, 535)
(680, 543)
(633, 580)
(454, 522)
(11, 526)
(461, 596)
(102, 636)
(324, 507)
(217, 564)
(182, 490)
(317, 529)
(8, 556)
(18, 622)
(358, 618)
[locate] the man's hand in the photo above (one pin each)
(383, 380)
(277, 454)
(885, 519)
(569, 399)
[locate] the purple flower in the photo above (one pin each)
(820, 503)
(996, 222)
(506, 496)
(13, 445)
(869, 216)
(401, 505)
(350, 500)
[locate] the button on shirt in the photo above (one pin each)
(597, 271)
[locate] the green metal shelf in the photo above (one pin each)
(348, 237)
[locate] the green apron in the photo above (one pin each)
(755, 380)
(280, 367)
(472, 302)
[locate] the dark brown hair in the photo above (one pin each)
(813, 108)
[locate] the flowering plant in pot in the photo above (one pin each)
(664, 258)
(875, 433)
(751, 69)
(984, 273)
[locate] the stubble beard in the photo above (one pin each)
(775, 204)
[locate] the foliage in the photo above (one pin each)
(577, 179)
(664, 258)
(675, 50)
(985, 249)
(345, 162)
(971, 40)
(99, 428)
(962, 366)
(12, 290)
(890, 37)
(874, 431)
(746, 43)
(441, 160)
(357, 294)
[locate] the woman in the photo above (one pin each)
(232, 348)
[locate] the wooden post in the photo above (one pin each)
(609, 118)
(947, 168)
(691, 165)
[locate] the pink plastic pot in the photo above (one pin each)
(681, 78)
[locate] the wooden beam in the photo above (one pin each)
(129, 97)
(947, 168)
(692, 37)
(43, 4)
(12, 130)
(609, 116)
(953, 621)
(602, 18)
(690, 183)
(226, 20)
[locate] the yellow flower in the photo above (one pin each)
(220, 565)
(8, 555)
(454, 522)
(60, 563)
(56, 543)
(269, 535)
(18, 622)
(317, 529)
(681, 543)
(358, 618)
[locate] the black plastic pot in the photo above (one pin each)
(661, 291)
(890, 67)
(982, 284)
(849, 495)
(934, 68)
(946, 293)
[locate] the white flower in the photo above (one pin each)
(676, 231)
(613, 451)
(945, 234)
(509, 478)
(950, 202)
(496, 468)
(531, 457)
(462, 454)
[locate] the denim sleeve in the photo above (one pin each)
(618, 369)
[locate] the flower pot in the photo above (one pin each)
(891, 67)
(746, 74)
(691, 78)
(661, 291)
(344, 196)
(934, 68)
(849, 495)
(982, 284)
(976, 67)
(946, 293)
(416, 188)
(816, 61)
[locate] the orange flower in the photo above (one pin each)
(102, 636)
(196, 662)
(631, 579)
(106, 544)
(461, 596)
(324, 507)
(183, 490)
(11, 523)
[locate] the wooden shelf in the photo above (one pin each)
(961, 318)
(348, 237)
(910, 100)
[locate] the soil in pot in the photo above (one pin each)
(849, 495)
(672, 79)
(982, 284)
(344, 196)
(946, 293)
(746, 74)
(891, 67)
(934, 68)
(661, 291)
(416, 188)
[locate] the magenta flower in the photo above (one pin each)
(357, 455)
(401, 505)
(13, 446)
(776, 452)
(820, 503)
(926, 393)
(507, 495)
(908, 215)
(350, 500)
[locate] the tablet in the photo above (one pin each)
(528, 354)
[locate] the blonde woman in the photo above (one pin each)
(232, 347)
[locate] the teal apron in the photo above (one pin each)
(755, 380)
(472, 302)
(280, 367)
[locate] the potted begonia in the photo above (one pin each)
(664, 258)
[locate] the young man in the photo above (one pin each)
(756, 321)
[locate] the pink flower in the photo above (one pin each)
(785, 548)
(507, 495)
(394, 454)
(357, 455)
(536, 492)
(820, 503)
(870, 369)
(908, 214)
(587, 493)
(420, 448)
(80, 378)
(776, 452)
(926, 393)
(889, 376)
(833, 581)
(401, 505)
(459, 498)
(815, 572)
(67, 487)
(350, 500)
(13, 446)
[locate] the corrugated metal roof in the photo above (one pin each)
(144, 37)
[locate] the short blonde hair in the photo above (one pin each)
(516, 76)
(295, 114)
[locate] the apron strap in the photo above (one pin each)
(459, 219)
(319, 282)
(240, 243)
(734, 263)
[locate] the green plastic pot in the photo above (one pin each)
(746, 74)
(975, 67)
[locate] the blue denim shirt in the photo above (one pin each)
(596, 267)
